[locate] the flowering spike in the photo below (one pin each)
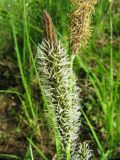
(64, 107)
(49, 29)
(80, 29)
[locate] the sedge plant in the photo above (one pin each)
(62, 95)
(59, 82)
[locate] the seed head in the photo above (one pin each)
(63, 106)
(80, 28)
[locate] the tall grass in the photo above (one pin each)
(106, 89)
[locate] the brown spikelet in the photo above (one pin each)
(80, 30)
(49, 30)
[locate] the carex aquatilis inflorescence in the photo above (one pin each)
(80, 23)
(62, 95)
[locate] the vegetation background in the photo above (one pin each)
(24, 131)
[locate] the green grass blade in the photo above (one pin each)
(37, 149)
(22, 73)
(9, 156)
(94, 135)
